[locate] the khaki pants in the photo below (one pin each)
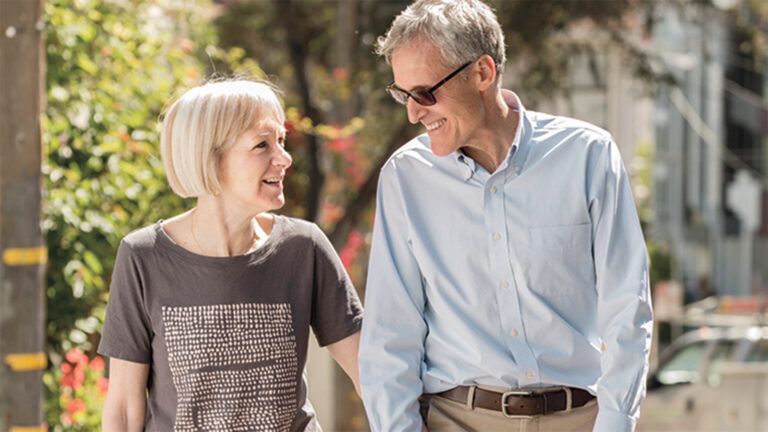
(444, 415)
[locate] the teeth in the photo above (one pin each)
(435, 125)
(272, 180)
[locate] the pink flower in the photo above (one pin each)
(66, 419)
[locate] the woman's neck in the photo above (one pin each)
(219, 229)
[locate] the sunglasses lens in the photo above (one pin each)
(423, 97)
(398, 95)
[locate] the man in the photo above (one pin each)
(508, 272)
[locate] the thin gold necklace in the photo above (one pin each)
(254, 237)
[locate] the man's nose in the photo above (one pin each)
(415, 111)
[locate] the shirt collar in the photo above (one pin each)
(519, 148)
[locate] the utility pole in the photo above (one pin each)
(22, 267)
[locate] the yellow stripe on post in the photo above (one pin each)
(21, 362)
(41, 428)
(25, 256)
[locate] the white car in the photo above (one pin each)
(710, 380)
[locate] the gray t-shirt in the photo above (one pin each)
(226, 337)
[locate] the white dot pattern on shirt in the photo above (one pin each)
(234, 366)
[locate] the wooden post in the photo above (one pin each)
(22, 267)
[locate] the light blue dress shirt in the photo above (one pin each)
(534, 275)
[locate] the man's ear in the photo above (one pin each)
(486, 72)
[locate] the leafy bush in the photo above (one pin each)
(80, 386)
(111, 68)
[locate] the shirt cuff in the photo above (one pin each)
(613, 421)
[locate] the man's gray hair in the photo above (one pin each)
(463, 30)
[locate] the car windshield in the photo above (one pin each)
(759, 352)
(684, 366)
(723, 352)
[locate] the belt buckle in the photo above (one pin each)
(504, 403)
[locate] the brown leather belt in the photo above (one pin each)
(520, 403)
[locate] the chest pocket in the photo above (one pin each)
(561, 259)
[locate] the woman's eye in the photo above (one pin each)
(262, 144)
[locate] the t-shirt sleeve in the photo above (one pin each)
(127, 332)
(336, 309)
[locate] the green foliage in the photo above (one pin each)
(111, 68)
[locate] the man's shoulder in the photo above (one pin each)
(416, 152)
(548, 124)
(417, 148)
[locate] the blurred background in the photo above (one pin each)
(681, 85)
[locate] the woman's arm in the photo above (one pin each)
(345, 354)
(125, 404)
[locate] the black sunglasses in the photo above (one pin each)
(422, 96)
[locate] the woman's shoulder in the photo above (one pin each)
(144, 238)
(298, 228)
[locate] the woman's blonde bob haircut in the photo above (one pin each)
(204, 122)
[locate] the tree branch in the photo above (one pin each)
(297, 47)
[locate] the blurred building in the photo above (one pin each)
(711, 156)
(603, 89)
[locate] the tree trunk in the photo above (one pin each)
(22, 269)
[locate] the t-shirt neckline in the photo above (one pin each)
(256, 255)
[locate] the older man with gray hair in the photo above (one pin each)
(508, 279)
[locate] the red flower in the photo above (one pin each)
(340, 73)
(340, 144)
(97, 364)
(72, 380)
(72, 377)
(75, 356)
(75, 406)
(103, 384)
(351, 249)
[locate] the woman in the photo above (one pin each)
(209, 312)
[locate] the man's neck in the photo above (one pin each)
(491, 144)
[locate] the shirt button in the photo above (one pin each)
(529, 375)
(493, 189)
(496, 236)
(504, 285)
(514, 333)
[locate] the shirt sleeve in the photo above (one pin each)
(336, 309)
(624, 304)
(392, 344)
(127, 332)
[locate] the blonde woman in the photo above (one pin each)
(209, 312)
